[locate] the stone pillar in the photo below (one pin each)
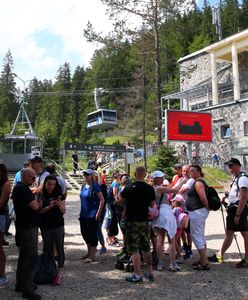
(214, 79)
(235, 69)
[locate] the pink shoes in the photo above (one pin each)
(57, 280)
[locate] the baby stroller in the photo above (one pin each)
(124, 261)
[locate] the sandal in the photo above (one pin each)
(85, 256)
(196, 263)
(88, 260)
(200, 267)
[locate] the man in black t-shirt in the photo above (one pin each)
(138, 199)
(26, 207)
(74, 159)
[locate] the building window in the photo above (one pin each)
(246, 128)
(225, 131)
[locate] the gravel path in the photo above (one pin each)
(100, 280)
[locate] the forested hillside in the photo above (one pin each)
(125, 67)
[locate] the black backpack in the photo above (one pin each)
(214, 202)
(45, 270)
(110, 198)
(213, 198)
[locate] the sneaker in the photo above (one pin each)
(184, 249)
(103, 250)
(242, 264)
(57, 280)
(5, 243)
(149, 276)
(188, 255)
(174, 267)
(3, 280)
(134, 279)
(31, 296)
(216, 258)
(180, 260)
(159, 267)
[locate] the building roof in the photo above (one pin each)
(222, 49)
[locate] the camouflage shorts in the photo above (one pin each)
(138, 237)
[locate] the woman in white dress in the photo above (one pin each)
(165, 224)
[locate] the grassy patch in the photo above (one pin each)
(215, 176)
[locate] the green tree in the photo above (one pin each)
(167, 157)
(244, 15)
(8, 93)
(230, 17)
(151, 14)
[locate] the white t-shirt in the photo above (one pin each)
(188, 185)
(234, 193)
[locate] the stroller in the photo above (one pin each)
(124, 261)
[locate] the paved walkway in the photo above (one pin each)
(101, 281)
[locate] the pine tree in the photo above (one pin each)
(8, 98)
(230, 17)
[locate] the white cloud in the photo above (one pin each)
(22, 20)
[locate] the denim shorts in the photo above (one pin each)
(2, 223)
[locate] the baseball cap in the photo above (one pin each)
(156, 174)
(88, 171)
(178, 198)
(36, 159)
(178, 166)
(233, 161)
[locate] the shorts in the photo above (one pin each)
(2, 223)
(187, 230)
(138, 237)
(89, 228)
(243, 223)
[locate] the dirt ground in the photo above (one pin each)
(100, 280)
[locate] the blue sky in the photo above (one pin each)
(44, 34)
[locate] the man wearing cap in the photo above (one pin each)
(237, 212)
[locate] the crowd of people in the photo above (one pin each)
(145, 211)
(38, 197)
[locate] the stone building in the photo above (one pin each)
(215, 79)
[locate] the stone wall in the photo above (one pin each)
(233, 114)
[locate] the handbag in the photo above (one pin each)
(153, 212)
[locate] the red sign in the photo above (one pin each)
(189, 126)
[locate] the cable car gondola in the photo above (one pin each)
(102, 119)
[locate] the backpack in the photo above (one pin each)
(45, 270)
(214, 202)
(110, 197)
(213, 198)
(237, 182)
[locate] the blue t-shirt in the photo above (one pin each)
(89, 200)
(17, 178)
(117, 185)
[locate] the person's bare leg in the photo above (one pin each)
(203, 256)
(227, 241)
(245, 236)
(160, 244)
(148, 261)
(172, 249)
(136, 263)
